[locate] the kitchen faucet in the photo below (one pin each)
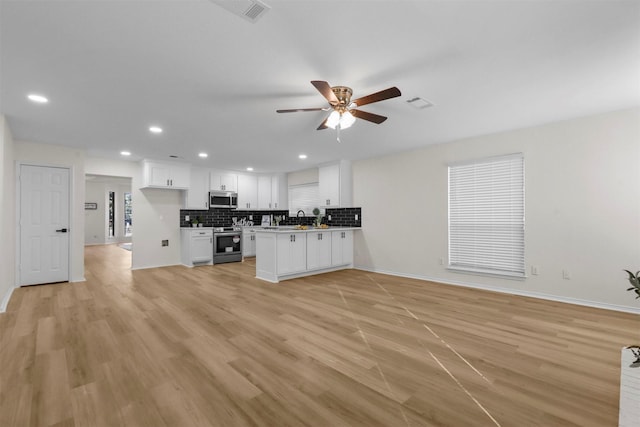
(298, 215)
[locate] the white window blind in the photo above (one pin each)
(303, 197)
(486, 216)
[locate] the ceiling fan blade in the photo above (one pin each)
(392, 92)
(370, 117)
(324, 88)
(323, 125)
(295, 110)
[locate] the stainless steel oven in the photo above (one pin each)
(227, 245)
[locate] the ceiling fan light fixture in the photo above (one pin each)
(346, 120)
(333, 119)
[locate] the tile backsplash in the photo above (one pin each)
(223, 217)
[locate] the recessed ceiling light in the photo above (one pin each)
(250, 169)
(155, 129)
(37, 98)
(125, 153)
(302, 156)
(203, 155)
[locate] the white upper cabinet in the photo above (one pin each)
(275, 193)
(169, 175)
(223, 182)
(247, 192)
(197, 196)
(264, 192)
(335, 185)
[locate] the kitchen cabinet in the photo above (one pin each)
(168, 175)
(196, 246)
(318, 249)
(341, 247)
(264, 192)
(276, 202)
(292, 253)
(197, 195)
(223, 182)
(270, 192)
(283, 254)
(334, 185)
(247, 192)
(248, 242)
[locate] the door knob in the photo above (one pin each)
(62, 230)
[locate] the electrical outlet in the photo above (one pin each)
(356, 217)
(441, 261)
(250, 217)
(329, 217)
(535, 270)
(566, 274)
(187, 218)
(165, 243)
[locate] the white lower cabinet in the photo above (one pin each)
(292, 253)
(341, 247)
(196, 246)
(248, 243)
(286, 255)
(318, 250)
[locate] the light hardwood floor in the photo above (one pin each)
(213, 346)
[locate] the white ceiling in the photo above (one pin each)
(213, 80)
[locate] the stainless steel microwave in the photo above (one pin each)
(223, 199)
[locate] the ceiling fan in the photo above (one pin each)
(343, 109)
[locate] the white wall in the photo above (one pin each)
(306, 176)
(156, 215)
(95, 224)
(582, 209)
(95, 220)
(60, 156)
(7, 215)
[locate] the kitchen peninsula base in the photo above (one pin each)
(283, 254)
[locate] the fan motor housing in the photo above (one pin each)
(343, 93)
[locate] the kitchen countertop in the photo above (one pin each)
(289, 229)
(196, 228)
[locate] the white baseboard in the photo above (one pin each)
(539, 295)
(155, 266)
(5, 300)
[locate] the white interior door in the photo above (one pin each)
(44, 225)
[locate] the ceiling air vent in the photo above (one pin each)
(251, 10)
(419, 103)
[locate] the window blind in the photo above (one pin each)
(486, 216)
(305, 197)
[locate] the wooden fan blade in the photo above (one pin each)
(295, 110)
(324, 88)
(392, 92)
(370, 117)
(323, 125)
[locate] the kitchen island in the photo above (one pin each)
(286, 253)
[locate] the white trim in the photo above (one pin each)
(156, 266)
(5, 300)
(538, 295)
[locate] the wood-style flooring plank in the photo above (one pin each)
(213, 346)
